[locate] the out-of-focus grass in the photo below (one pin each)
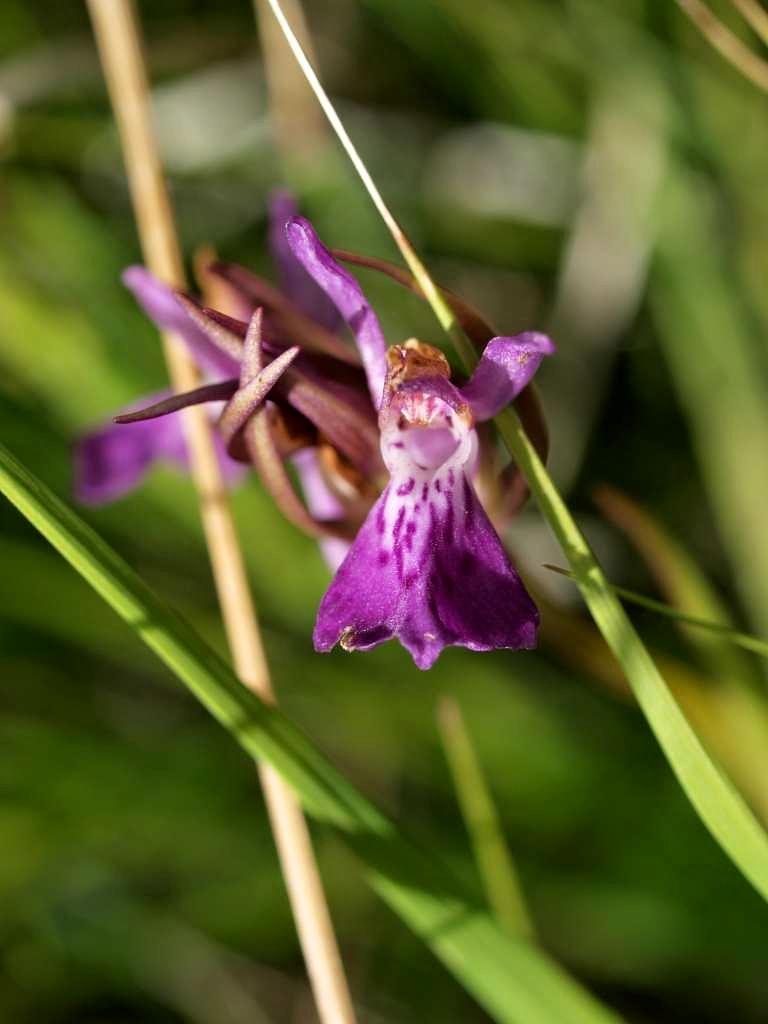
(126, 817)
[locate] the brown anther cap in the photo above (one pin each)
(414, 359)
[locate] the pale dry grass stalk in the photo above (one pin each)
(299, 131)
(727, 43)
(118, 38)
(753, 12)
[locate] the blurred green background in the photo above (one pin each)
(587, 167)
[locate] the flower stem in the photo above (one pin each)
(118, 38)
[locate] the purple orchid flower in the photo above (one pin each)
(385, 446)
(427, 566)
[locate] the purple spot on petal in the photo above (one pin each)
(398, 524)
(438, 485)
(399, 558)
(383, 557)
(424, 491)
(407, 487)
(410, 530)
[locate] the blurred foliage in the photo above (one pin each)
(137, 875)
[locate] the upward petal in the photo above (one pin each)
(506, 366)
(295, 282)
(347, 295)
(160, 303)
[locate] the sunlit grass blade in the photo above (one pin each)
(492, 855)
(715, 799)
(512, 981)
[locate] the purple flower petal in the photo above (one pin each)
(295, 282)
(427, 566)
(322, 503)
(113, 460)
(347, 295)
(160, 303)
(430, 572)
(506, 366)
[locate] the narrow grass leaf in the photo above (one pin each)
(714, 797)
(513, 981)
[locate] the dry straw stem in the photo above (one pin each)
(757, 16)
(726, 42)
(299, 130)
(118, 38)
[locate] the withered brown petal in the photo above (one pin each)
(251, 395)
(224, 338)
(296, 325)
(338, 410)
(269, 465)
(230, 323)
(207, 393)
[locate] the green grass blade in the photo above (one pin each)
(512, 981)
(716, 800)
(492, 855)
